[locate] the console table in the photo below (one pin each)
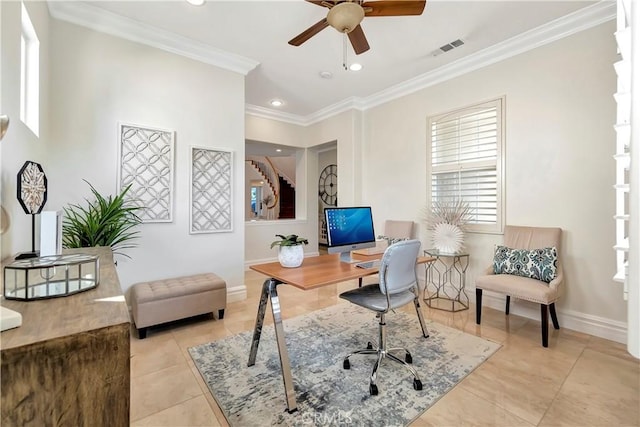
(445, 281)
(68, 364)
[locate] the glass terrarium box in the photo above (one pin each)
(50, 276)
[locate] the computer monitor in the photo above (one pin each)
(349, 229)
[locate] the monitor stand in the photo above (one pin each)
(346, 257)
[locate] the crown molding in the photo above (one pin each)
(268, 113)
(107, 22)
(565, 26)
(352, 103)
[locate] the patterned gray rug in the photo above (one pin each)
(326, 393)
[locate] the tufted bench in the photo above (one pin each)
(161, 301)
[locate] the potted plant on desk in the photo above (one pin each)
(290, 251)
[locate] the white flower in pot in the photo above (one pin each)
(290, 250)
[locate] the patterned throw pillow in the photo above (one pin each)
(392, 240)
(539, 264)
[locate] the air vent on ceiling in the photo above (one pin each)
(447, 47)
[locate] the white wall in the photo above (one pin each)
(346, 129)
(559, 169)
(260, 234)
(97, 81)
(20, 144)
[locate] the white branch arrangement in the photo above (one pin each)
(447, 221)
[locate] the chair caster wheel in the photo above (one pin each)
(408, 358)
(417, 384)
(346, 364)
(373, 389)
(369, 346)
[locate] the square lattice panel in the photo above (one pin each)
(211, 190)
(146, 162)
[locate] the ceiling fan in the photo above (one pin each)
(346, 16)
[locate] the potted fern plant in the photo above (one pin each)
(290, 251)
(105, 221)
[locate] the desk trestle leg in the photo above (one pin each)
(257, 330)
(269, 291)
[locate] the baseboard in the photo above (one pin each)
(581, 322)
(236, 293)
(586, 323)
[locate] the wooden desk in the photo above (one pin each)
(314, 272)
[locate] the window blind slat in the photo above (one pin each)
(464, 156)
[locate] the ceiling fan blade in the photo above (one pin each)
(309, 32)
(393, 7)
(317, 2)
(358, 40)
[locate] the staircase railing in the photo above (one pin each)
(266, 169)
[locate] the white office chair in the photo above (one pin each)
(398, 286)
(395, 230)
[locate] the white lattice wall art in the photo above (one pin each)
(211, 190)
(146, 162)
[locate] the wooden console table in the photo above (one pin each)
(68, 364)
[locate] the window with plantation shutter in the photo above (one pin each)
(465, 155)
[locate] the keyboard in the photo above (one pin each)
(368, 264)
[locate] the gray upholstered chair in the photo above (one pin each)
(398, 286)
(395, 230)
(519, 282)
(398, 229)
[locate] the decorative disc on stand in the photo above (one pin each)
(447, 238)
(32, 195)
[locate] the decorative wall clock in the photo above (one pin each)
(328, 185)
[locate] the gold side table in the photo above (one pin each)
(445, 281)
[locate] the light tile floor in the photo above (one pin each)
(580, 380)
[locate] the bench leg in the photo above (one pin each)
(221, 314)
(142, 333)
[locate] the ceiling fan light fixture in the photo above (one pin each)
(346, 16)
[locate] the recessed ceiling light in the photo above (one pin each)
(196, 2)
(278, 150)
(276, 102)
(326, 74)
(355, 67)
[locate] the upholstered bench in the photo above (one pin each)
(161, 301)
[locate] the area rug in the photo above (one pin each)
(327, 394)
